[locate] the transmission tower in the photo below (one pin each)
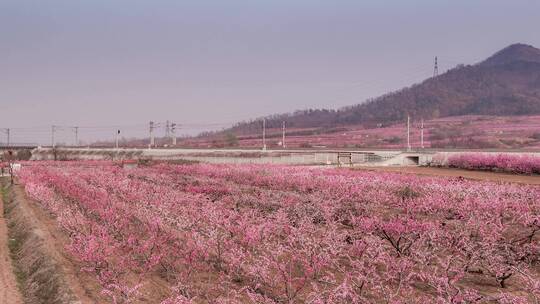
(436, 68)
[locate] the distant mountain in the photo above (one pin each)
(507, 83)
(513, 53)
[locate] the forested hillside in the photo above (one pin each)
(507, 83)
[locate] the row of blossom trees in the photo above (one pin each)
(273, 234)
(512, 163)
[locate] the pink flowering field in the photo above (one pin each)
(274, 234)
(512, 163)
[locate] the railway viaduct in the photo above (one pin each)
(295, 157)
(285, 157)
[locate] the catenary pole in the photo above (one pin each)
(422, 134)
(151, 134)
(283, 135)
(76, 129)
(53, 129)
(408, 133)
(264, 134)
(173, 133)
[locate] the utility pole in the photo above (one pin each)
(408, 133)
(117, 134)
(173, 133)
(53, 129)
(167, 129)
(283, 135)
(422, 134)
(264, 134)
(6, 130)
(436, 68)
(10, 157)
(151, 135)
(76, 130)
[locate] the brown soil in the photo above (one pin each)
(469, 174)
(51, 276)
(9, 292)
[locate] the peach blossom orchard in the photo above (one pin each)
(272, 234)
(518, 164)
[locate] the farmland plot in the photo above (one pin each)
(273, 234)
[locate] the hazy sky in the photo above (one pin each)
(120, 62)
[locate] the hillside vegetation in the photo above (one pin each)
(468, 131)
(507, 83)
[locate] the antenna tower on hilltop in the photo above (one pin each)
(436, 68)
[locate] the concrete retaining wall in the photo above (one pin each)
(216, 156)
(289, 157)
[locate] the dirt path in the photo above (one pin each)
(9, 292)
(83, 285)
(476, 175)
